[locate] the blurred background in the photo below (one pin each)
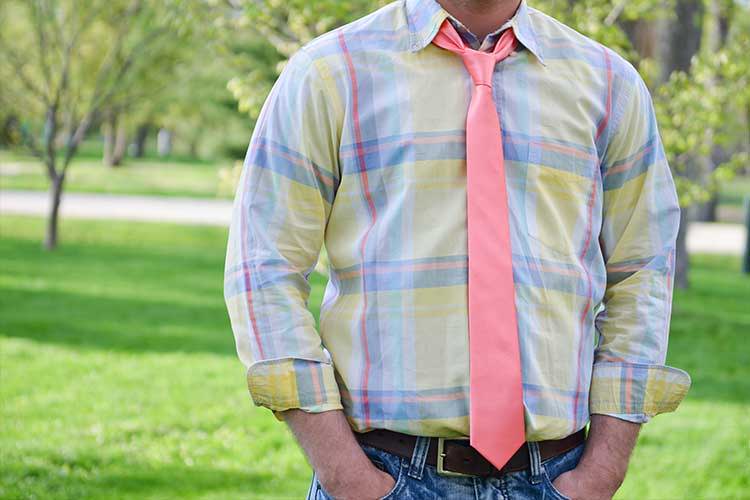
(122, 127)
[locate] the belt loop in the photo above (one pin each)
(419, 457)
(535, 461)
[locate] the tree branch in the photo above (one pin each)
(615, 13)
(18, 67)
(38, 16)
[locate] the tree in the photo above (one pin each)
(71, 60)
(275, 29)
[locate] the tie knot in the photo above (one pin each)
(479, 64)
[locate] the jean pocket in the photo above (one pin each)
(558, 465)
(390, 464)
(317, 492)
(377, 462)
(557, 494)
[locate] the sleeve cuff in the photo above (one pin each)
(636, 392)
(293, 383)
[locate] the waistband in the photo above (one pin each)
(455, 457)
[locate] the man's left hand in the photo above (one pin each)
(602, 467)
(583, 484)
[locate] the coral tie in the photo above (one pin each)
(496, 417)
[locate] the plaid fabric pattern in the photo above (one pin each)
(360, 146)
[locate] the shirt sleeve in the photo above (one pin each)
(280, 211)
(641, 216)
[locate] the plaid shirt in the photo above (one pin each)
(360, 146)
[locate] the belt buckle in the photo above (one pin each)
(441, 455)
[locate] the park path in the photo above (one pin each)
(200, 211)
(703, 238)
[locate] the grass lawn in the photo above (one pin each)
(148, 176)
(119, 377)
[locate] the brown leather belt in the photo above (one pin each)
(454, 456)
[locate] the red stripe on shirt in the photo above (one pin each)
(371, 206)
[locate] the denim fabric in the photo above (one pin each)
(416, 480)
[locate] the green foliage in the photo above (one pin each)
(259, 63)
(603, 20)
(705, 108)
(281, 26)
(287, 24)
(81, 55)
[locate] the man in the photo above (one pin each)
(500, 223)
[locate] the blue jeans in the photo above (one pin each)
(416, 480)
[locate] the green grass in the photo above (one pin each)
(148, 176)
(119, 377)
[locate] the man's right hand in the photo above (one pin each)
(343, 469)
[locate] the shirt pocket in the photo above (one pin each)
(559, 213)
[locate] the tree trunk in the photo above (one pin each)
(679, 41)
(164, 142)
(708, 211)
(115, 139)
(682, 38)
(9, 133)
(121, 143)
(671, 41)
(139, 143)
(644, 36)
(55, 192)
(682, 262)
(109, 129)
(194, 148)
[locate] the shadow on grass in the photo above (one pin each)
(149, 294)
(118, 324)
(138, 481)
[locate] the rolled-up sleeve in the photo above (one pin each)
(641, 216)
(280, 212)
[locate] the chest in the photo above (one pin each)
(403, 135)
(411, 107)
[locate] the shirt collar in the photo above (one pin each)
(424, 18)
(471, 39)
